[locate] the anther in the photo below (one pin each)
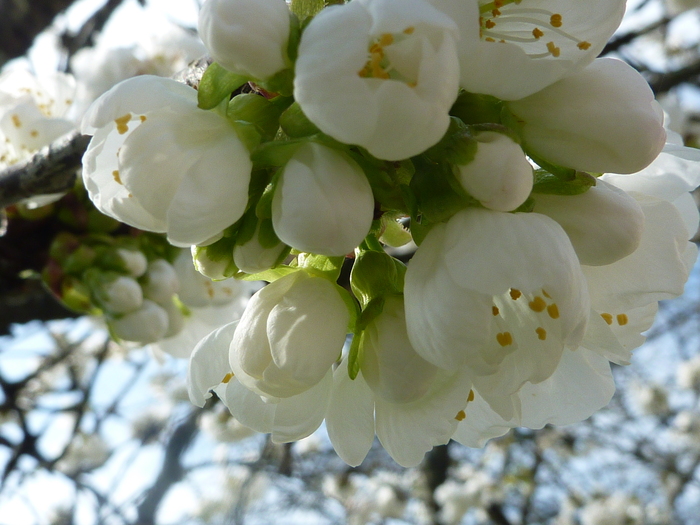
(607, 317)
(460, 415)
(622, 319)
(122, 122)
(553, 311)
(541, 333)
(16, 121)
(555, 20)
(504, 338)
(495, 311)
(537, 33)
(584, 46)
(117, 178)
(537, 304)
(471, 396)
(515, 294)
(227, 378)
(554, 50)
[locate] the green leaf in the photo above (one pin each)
(458, 146)
(248, 133)
(217, 84)
(477, 109)
(322, 265)
(268, 275)
(267, 236)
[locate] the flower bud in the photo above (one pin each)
(196, 290)
(602, 119)
(148, 324)
(121, 296)
(323, 203)
(246, 36)
(499, 177)
(289, 336)
(161, 282)
(134, 261)
(604, 224)
(253, 257)
(204, 264)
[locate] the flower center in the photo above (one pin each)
(538, 31)
(382, 54)
(524, 319)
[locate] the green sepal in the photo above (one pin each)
(295, 123)
(386, 180)
(371, 312)
(322, 265)
(248, 225)
(79, 260)
(248, 133)
(477, 109)
(266, 235)
(281, 83)
(263, 209)
(76, 295)
(419, 230)
(457, 146)
(549, 184)
(438, 191)
(275, 154)
(306, 8)
(217, 83)
(259, 111)
(374, 275)
(355, 355)
(393, 233)
(351, 305)
(562, 173)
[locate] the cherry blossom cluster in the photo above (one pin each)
(146, 290)
(549, 208)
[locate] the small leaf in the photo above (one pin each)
(217, 84)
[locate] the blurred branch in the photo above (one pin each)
(51, 170)
(664, 82)
(618, 41)
(172, 470)
(21, 21)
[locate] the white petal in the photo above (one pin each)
(299, 416)
(350, 416)
(209, 363)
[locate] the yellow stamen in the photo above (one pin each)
(537, 304)
(541, 333)
(490, 24)
(122, 122)
(537, 33)
(227, 378)
(622, 319)
(553, 311)
(386, 39)
(471, 396)
(584, 46)
(515, 294)
(554, 50)
(117, 178)
(504, 338)
(143, 118)
(460, 415)
(34, 133)
(607, 317)
(494, 310)
(409, 30)
(16, 121)
(555, 20)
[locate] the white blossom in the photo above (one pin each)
(121, 295)
(159, 163)
(604, 224)
(290, 334)
(381, 74)
(248, 37)
(134, 261)
(323, 202)
(515, 49)
(161, 282)
(500, 176)
(601, 119)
